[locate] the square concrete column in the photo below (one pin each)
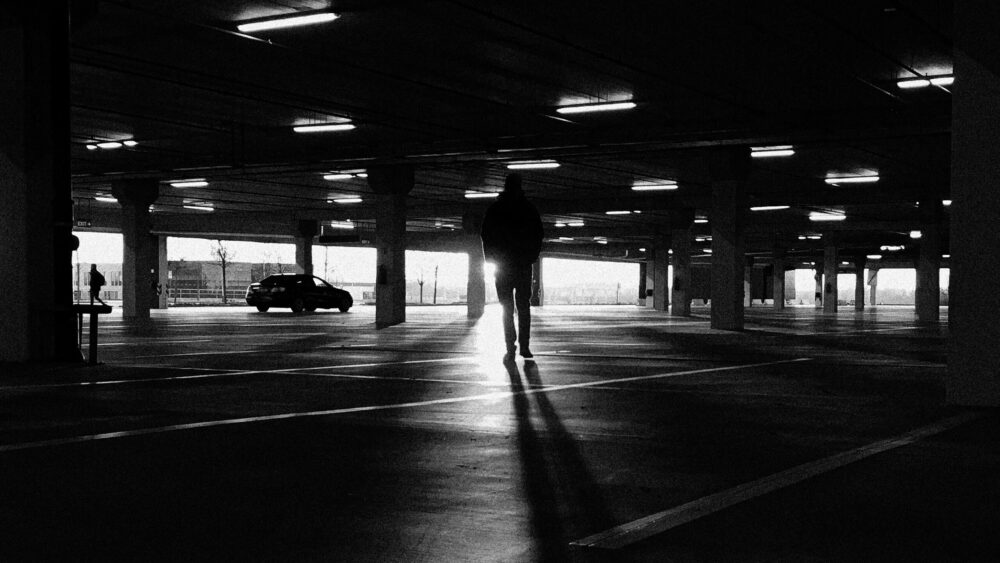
(729, 171)
(748, 282)
(642, 284)
(661, 264)
(306, 231)
(778, 278)
(873, 286)
(162, 273)
(831, 265)
(537, 288)
(36, 205)
(974, 301)
(141, 252)
(680, 291)
(818, 278)
(859, 284)
(475, 289)
(390, 184)
(928, 290)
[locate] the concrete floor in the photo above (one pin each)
(224, 434)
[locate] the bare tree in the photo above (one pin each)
(225, 256)
(420, 282)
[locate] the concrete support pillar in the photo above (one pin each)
(162, 273)
(141, 257)
(680, 242)
(818, 277)
(650, 268)
(973, 376)
(391, 184)
(729, 170)
(36, 205)
(859, 284)
(537, 288)
(831, 265)
(928, 290)
(873, 286)
(475, 288)
(748, 282)
(642, 284)
(661, 264)
(778, 277)
(305, 233)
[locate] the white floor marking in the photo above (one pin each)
(369, 408)
(153, 342)
(226, 373)
(632, 532)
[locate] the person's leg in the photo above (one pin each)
(522, 299)
(505, 295)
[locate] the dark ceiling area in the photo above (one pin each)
(460, 89)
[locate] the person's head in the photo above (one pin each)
(93, 267)
(512, 185)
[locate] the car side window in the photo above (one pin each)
(321, 283)
(308, 282)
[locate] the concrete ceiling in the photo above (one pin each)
(459, 88)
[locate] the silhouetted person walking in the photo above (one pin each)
(512, 239)
(96, 283)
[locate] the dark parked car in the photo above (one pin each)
(298, 291)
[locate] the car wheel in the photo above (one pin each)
(298, 305)
(345, 306)
(262, 308)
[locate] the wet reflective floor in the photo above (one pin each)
(228, 434)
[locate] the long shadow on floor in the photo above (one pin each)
(563, 497)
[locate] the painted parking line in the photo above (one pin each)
(368, 408)
(637, 530)
(153, 342)
(223, 373)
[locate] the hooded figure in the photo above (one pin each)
(512, 240)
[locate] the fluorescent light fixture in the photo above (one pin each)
(91, 147)
(642, 250)
(910, 83)
(859, 179)
(532, 164)
(130, 143)
(291, 20)
(470, 194)
(323, 127)
(348, 200)
(700, 220)
(946, 256)
(814, 237)
(874, 256)
(776, 150)
(338, 176)
(769, 207)
(707, 251)
(946, 202)
(342, 224)
(916, 234)
(565, 238)
(560, 225)
(362, 174)
(110, 145)
(604, 106)
(913, 83)
(199, 207)
(575, 223)
(802, 237)
(106, 199)
(827, 216)
(659, 185)
(192, 183)
(602, 241)
(622, 212)
(892, 248)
